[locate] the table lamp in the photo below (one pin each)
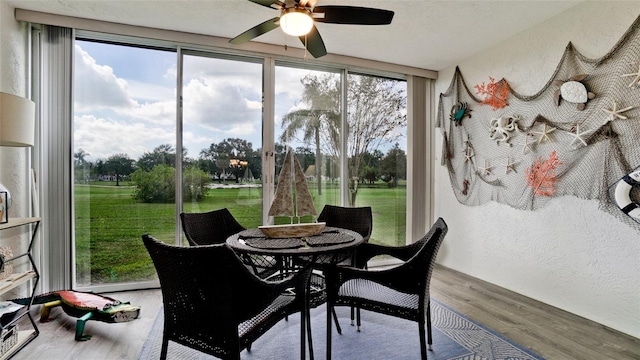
(17, 120)
(17, 123)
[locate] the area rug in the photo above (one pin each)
(455, 337)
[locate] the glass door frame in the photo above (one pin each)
(420, 113)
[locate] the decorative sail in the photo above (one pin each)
(290, 175)
(282, 204)
(304, 201)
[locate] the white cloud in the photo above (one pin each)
(97, 86)
(103, 137)
(222, 99)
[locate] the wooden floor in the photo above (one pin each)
(550, 332)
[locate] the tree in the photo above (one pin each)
(321, 97)
(82, 168)
(305, 157)
(376, 111)
(163, 154)
(394, 165)
(119, 165)
(369, 170)
(221, 154)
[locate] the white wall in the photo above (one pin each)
(568, 254)
(14, 165)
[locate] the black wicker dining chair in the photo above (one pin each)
(401, 291)
(214, 227)
(214, 304)
(207, 228)
(358, 219)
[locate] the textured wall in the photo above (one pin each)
(569, 254)
(14, 173)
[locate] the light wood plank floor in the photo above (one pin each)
(550, 332)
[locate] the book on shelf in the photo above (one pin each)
(8, 311)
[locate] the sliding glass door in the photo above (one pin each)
(123, 142)
(222, 136)
(307, 121)
(160, 130)
(353, 154)
(376, 153)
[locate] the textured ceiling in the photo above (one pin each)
(424, 34)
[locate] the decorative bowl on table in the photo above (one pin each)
(292, 230)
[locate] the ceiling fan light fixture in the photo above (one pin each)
(296, 21)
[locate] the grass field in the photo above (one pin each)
(109, 224)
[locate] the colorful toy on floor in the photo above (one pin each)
(84, 306)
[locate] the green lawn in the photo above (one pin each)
(109, 223)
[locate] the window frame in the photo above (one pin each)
(420, 159)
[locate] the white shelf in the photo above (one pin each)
(18, 279)
(18, 222)
(15, 280)
(24, 336)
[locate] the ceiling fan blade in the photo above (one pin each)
(352, 15)
(314, 43)
(256, 31)
(274, 4)
(307, 3)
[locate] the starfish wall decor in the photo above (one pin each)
(578, 135)
(468, 153)
(486, 170)
(511, 166)
(615, 113)
(527, 145)
(636, 79)
(544, 134)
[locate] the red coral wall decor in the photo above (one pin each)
(495, 93)
(541, 176)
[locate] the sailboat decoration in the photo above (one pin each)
(292, 183)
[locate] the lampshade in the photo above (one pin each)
(17, 120)
(296, 21)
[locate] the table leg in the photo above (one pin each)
(329, 311)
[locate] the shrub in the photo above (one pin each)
(155, 186)
(158, 185)
(194, 184)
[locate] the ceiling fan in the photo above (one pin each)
(297, 18)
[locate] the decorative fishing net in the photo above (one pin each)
(525, 153)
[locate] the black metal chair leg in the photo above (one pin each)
(423, 345)
(308, 315)
(303, 319)
(429, 338)
(335, 318)
(329, 311)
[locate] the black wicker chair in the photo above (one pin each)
(401, 291)
(358, 219)
(214, 304)
(207, 228)
(214, 227)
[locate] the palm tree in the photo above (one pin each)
(321, 96)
